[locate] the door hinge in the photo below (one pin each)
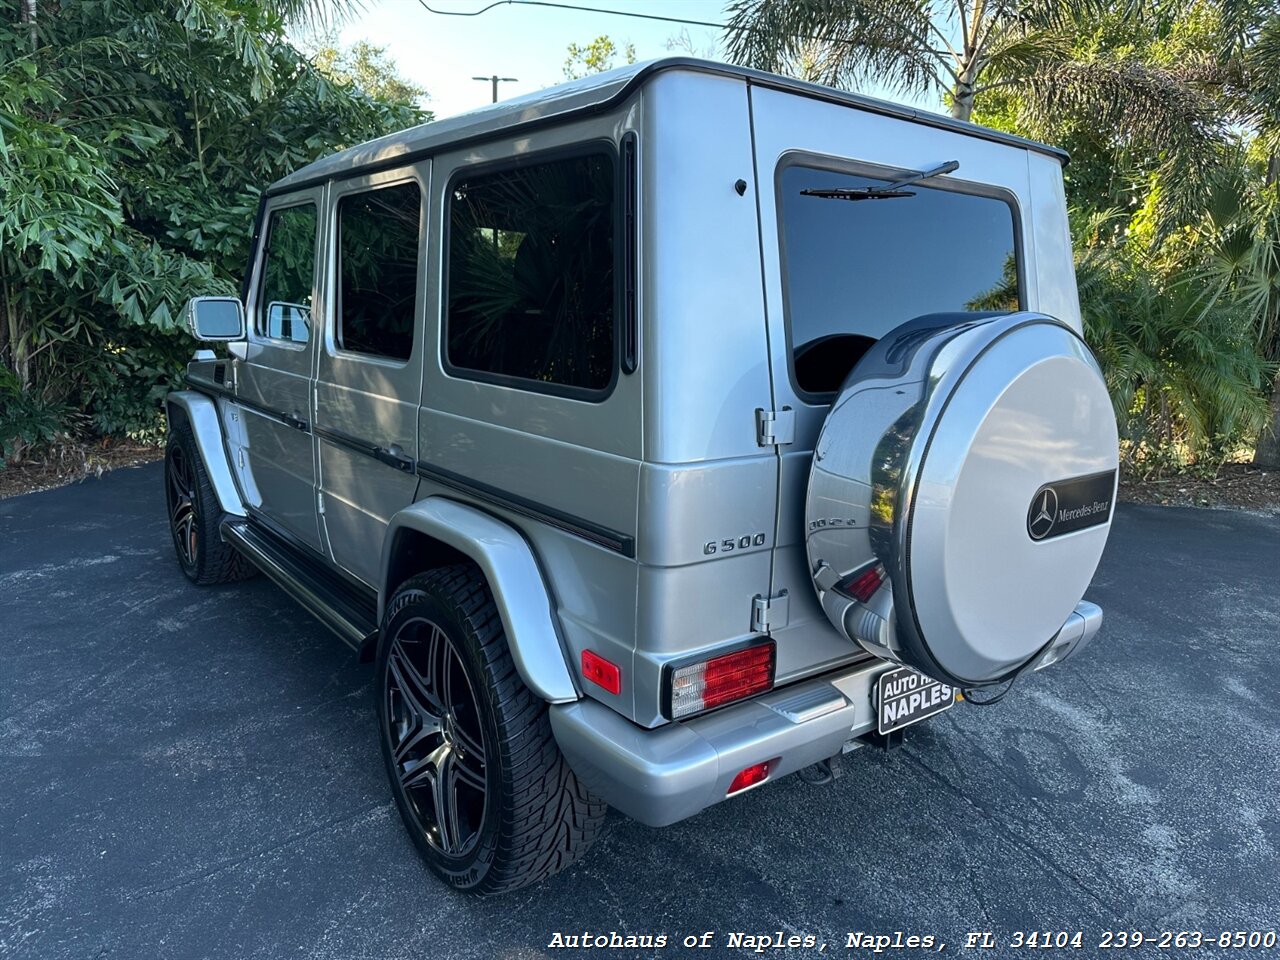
(775, 426)
(320, 503)
(769, 613)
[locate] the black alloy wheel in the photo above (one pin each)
(195, 513)
(477, 776)
(436, 737)
(184, 520)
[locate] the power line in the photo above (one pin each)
(569, 6)
(638, 16)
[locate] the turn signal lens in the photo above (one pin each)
(752, 776)
(601, 672)
(862, 585)
(720, 680)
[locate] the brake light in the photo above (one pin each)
(752, 776)
(712, 683)
(862, 585)
(601, 672)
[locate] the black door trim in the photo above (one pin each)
(602, 536)
(212, 389)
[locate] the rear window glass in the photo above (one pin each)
(378, 270)
(856, 269)
(531, 279)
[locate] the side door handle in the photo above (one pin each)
(295, 420)
(395, 456)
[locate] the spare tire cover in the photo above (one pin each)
(968, 467)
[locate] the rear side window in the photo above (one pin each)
(532, 296)
(288, 268)
(856, 269)
(378, 270)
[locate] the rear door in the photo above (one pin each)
(369, 372)
(834, 267)
(274, 380)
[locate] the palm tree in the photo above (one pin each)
(1241, 237)
(960, 49)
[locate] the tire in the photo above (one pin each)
(194, 514)
(452, 707)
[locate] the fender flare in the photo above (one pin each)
(201, 412)
(515, 579)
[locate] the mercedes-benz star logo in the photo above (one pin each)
(1043, 513)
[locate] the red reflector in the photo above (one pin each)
(754, 775)
(601, 672)
(863, 586)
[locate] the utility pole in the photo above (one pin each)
(495, 80)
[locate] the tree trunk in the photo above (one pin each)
(1267, 453)
(29, 18)
(4, 322)
(962, 92)
(14, 353)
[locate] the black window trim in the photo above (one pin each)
(269, 212)
(341, 191)
(599, 145)
(861, 168)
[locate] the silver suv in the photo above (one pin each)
(656, 436)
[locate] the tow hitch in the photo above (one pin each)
(885, 741)
(822, 772)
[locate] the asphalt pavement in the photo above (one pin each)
(190, 772)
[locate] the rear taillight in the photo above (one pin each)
(707, 684)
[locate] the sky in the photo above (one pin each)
(442, 53)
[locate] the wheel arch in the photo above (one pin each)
(438, 531)
(201, 414)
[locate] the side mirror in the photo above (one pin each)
(215, 318)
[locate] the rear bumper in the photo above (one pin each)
(663, 775)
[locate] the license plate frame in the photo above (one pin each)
(895, 707)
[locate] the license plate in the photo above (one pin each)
(904, 697)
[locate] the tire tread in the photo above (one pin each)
(217, 562)
(548, 819)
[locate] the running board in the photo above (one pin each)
(332, 600)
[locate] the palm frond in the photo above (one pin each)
(840, 42)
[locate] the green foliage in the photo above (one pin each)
(28, 421)
(369, 68)
(1171, 113)
(135, 137)
(1185, 375)
(596, 56)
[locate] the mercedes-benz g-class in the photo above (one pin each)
(657, 436)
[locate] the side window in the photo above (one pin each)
(378, 270)
(288, 269)
(531, 278)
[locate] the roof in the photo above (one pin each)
(594, 94)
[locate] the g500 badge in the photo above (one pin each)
(730, 544)
(1069, 505)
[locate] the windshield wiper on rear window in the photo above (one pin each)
(887, 192)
